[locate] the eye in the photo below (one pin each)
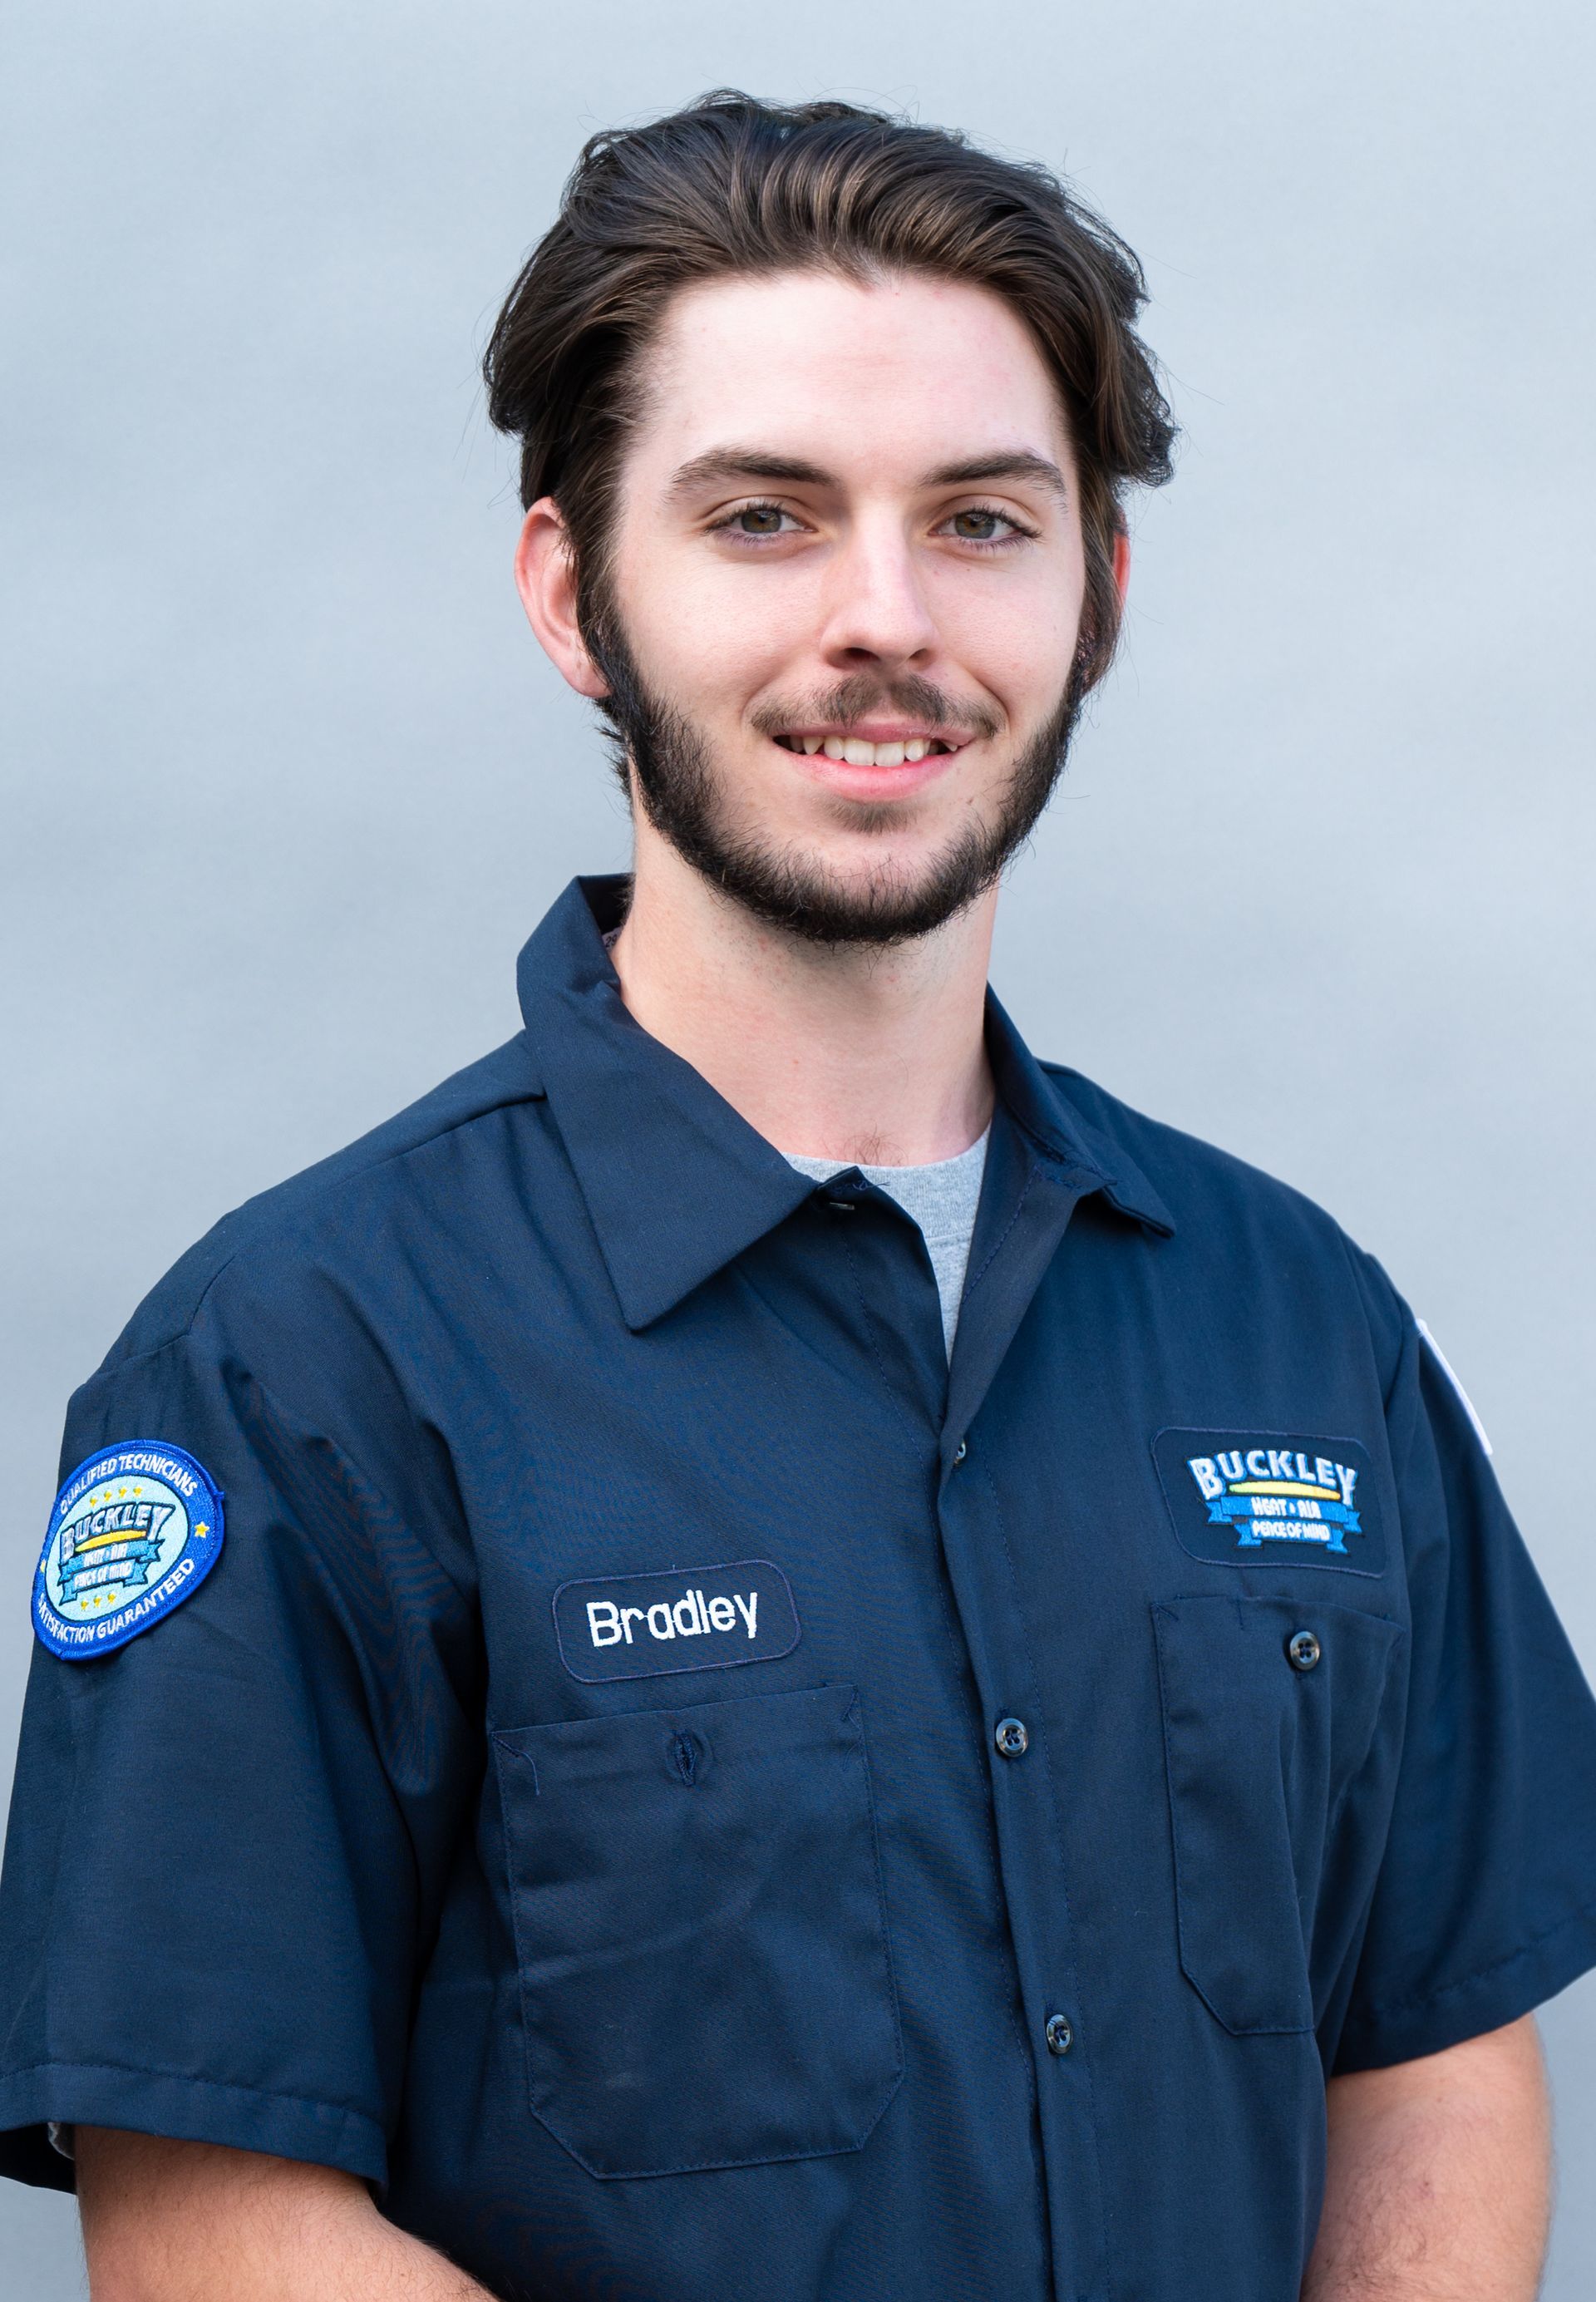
(756, 521)
(984, 524)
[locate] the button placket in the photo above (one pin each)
(1031, 1840)
(1031, 1846)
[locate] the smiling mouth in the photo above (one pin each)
(855, 753)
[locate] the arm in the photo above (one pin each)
(189, 2222)
(1439, 2176)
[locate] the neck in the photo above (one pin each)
(845, 1052)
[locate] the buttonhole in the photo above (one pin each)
(686, 1756)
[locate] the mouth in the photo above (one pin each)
(853, 750)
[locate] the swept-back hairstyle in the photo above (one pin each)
(732, 185)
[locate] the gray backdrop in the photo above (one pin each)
(286, 782)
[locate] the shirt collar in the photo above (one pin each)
(677, 1183)
(1036, 1099)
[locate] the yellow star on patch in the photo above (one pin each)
(202, 1528)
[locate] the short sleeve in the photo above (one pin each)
(228, 1838)
(1485, 1903)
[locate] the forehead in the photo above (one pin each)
(895, 375)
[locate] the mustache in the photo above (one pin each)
(864, 691)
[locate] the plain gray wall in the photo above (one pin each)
(287, 783)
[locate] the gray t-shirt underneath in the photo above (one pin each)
(941, 1197)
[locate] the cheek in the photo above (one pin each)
(705, 632)
(1015, 638)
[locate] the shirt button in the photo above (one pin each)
(961, 1450)
(1303, 1650)
(1011, 1739)
(1059, 2035)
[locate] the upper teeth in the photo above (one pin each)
(858, 754)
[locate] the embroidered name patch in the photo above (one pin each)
(135, 1532)
(1252, 1498)
(694, 1618)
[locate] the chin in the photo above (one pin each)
(874, 861)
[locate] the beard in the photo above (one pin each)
(684, 798)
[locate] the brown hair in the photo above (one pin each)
(734, 186)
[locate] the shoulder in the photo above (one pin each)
(1234, 1217)
(345, 1207)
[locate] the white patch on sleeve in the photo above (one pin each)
(1444, 1364)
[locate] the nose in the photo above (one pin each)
(878, 615)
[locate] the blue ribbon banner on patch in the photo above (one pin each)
(1299, 1521)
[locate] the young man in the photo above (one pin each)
(769, 1650)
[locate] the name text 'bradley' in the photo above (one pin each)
(692, 1617)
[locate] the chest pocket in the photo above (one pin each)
(1270, 1711)
(705, 1979)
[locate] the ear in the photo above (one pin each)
(546, 579)
(1122, 563)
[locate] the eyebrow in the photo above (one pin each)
(1006, 464)
(748, 464)
(723, 464)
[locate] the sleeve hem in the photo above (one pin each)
(1514, 1986)
(188, 2110)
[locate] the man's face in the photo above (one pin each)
(847, 580)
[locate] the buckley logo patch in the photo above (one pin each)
(134, 1533)
(691, 1619)
(1242, 1499)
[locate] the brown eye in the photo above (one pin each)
(759, 519)
(975, 527)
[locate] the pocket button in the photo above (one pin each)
(1303, 1650)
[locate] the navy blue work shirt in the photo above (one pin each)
(693, 1796)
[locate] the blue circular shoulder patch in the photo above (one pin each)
(135, 1531)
